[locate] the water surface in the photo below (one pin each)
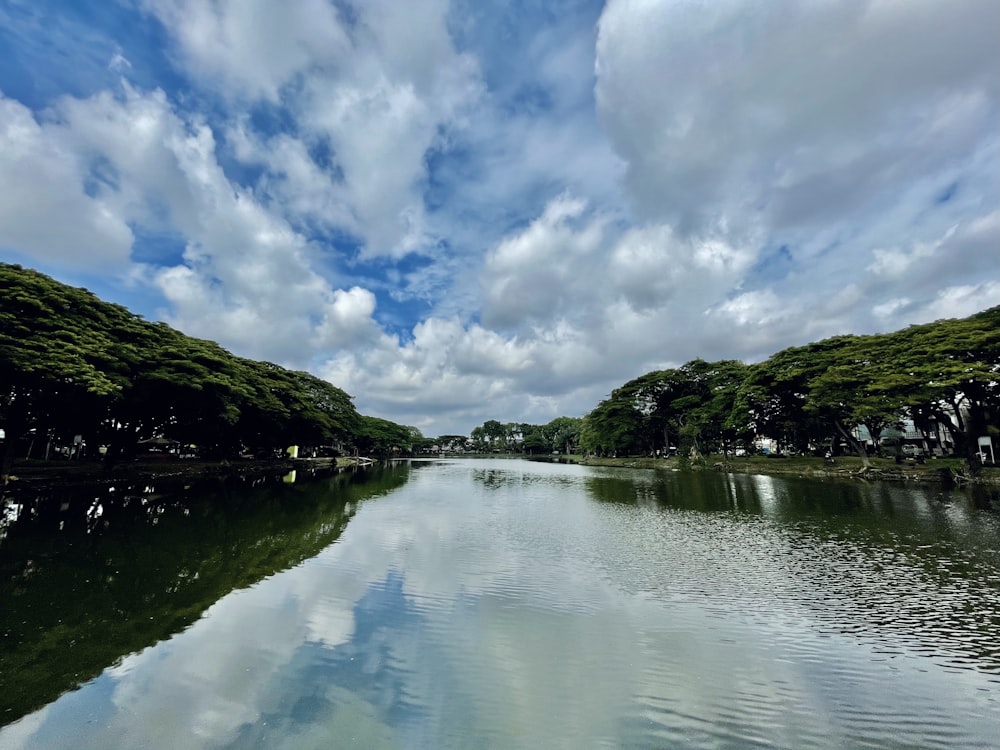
(515, 604)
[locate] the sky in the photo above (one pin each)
(471, 210)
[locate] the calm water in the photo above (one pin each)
(496, 604)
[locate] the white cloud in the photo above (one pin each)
(809, 112)
(653, 267)
(570, 303)
(408, 89)
(306, 192)
(347, 320)
(252, 47)
(540, 273)
(961, 301)
(380, 131)
(887, 309)
(45, 210)
(459, 213)
(859, 138)
(756, 308)
(382, 87)
(247, 279)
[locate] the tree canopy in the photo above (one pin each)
(945, 373)
(72, 364)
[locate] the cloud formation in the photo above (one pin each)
(463, 211)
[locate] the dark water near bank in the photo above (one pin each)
(502, 604)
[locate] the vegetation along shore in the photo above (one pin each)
(92, 392)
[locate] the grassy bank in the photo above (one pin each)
(933, 470)
(36, 476)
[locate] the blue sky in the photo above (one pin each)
(473, 210)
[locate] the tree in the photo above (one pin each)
(704, 402)
(564, 433)
(451, 442)
(478, 437)
(73, 364)
(652, 396)
(495, 433)
(613, 427)
(55, 351)
(856, 387)
(536, 442)
(952, 372)
(380, 437)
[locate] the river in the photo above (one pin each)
(502, 604)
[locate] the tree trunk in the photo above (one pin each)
(975, 428)
(7, 456)
(15, 427)
(856, 444)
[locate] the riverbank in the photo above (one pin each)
(934, 470)
(35, 477)
(32, 477)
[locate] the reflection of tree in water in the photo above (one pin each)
(490, 477)
(507, 477)
(902, 566)
(89, 578)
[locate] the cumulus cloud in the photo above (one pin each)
(963, 249)
(960, 301)
(245, 277)
(252, 48)
(570, 302)
(378, 84)
(854, 145)
(805, 111)
(461, 212)
(347, 320)
(46, 210)
(538, 273)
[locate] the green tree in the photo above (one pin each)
(73, 364)
(536, 442)
(614, 427)
(380, 437)
(56, 352)
(495, 434)
(564, 433)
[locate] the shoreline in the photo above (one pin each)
(28, 478)
(944, 471)
(38, 477)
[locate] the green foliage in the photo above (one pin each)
(71, 364)
(536, 442)
(945, 373)
(149, 570)
(614, 427)
(380, 437)
(562, 434)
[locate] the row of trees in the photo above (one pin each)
(943, 374)
(71, 364)
(562, 434)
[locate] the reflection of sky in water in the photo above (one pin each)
(465, 611)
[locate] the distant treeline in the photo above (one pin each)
(942, 376)
(561, 435)
(73, 365)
